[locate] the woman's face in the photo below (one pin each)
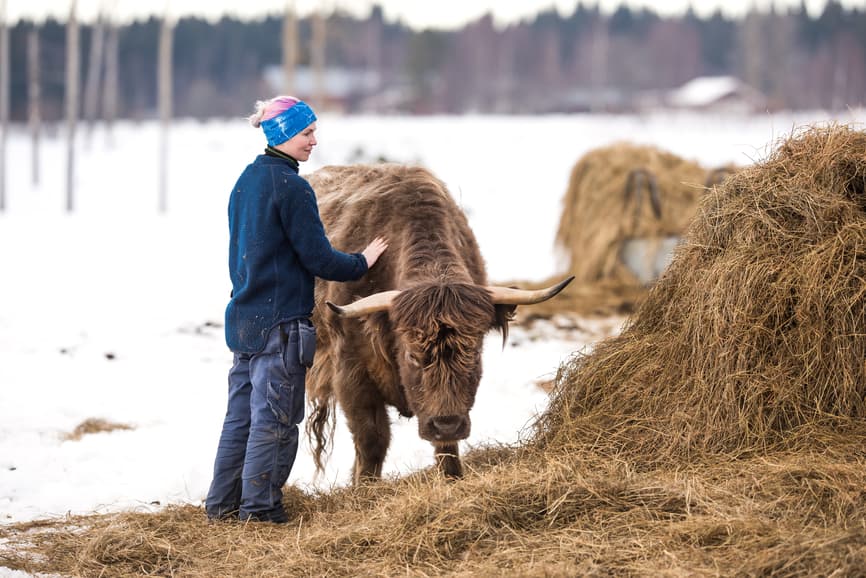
(301, 145)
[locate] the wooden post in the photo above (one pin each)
(34, 116)
(290, 47)
(165, 97)
(72, 45)
(4, 100)
(317, 57)
(94, 75)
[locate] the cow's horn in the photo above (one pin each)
(511, 296)
(366, 305)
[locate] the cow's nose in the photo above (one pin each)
(447, 425)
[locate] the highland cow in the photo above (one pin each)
(410, 333)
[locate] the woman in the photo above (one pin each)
(277, 249)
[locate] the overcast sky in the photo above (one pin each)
(417, 13)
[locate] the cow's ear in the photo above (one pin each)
(503, 314)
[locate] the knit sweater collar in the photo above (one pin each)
(273, 152)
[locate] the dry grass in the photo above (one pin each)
(518, 512)
(94, 425)
(721, 434)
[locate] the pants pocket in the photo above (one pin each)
(290, 349)
(286, 400)
(306, 343)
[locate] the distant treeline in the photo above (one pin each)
(585, 60)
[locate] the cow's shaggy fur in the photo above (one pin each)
(422, 357)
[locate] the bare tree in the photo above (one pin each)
(751, 49)
(109, 98)
(372, 44)
(317, 58)
(781, 51)
(94, 74)
(72, 46)
(164, 83)
(4, 100)
(290, 47)
(599, 70)
(34, 116)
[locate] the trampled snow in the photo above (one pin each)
(115, 311)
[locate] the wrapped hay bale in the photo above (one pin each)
(756, 329)
(623, 192)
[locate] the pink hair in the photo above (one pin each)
(268, 109)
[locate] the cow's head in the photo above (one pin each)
(439, 331)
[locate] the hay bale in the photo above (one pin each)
(757, 328)
(620, 192)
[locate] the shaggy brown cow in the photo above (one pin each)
(413, 340)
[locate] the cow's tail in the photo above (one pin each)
(320, 428)
(321, 407)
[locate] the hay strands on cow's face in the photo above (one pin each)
(501, 296)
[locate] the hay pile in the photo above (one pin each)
(611, 198)
(758, 326)
(721, 433)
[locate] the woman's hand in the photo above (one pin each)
(373, 250)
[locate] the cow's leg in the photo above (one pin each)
(372, 439)
(368, 421)
(448, 460)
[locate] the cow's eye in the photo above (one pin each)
(412, 360)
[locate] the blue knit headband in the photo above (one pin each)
(288, 123)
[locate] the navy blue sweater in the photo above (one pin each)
(277, 248)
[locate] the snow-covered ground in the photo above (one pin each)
(115, 311)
